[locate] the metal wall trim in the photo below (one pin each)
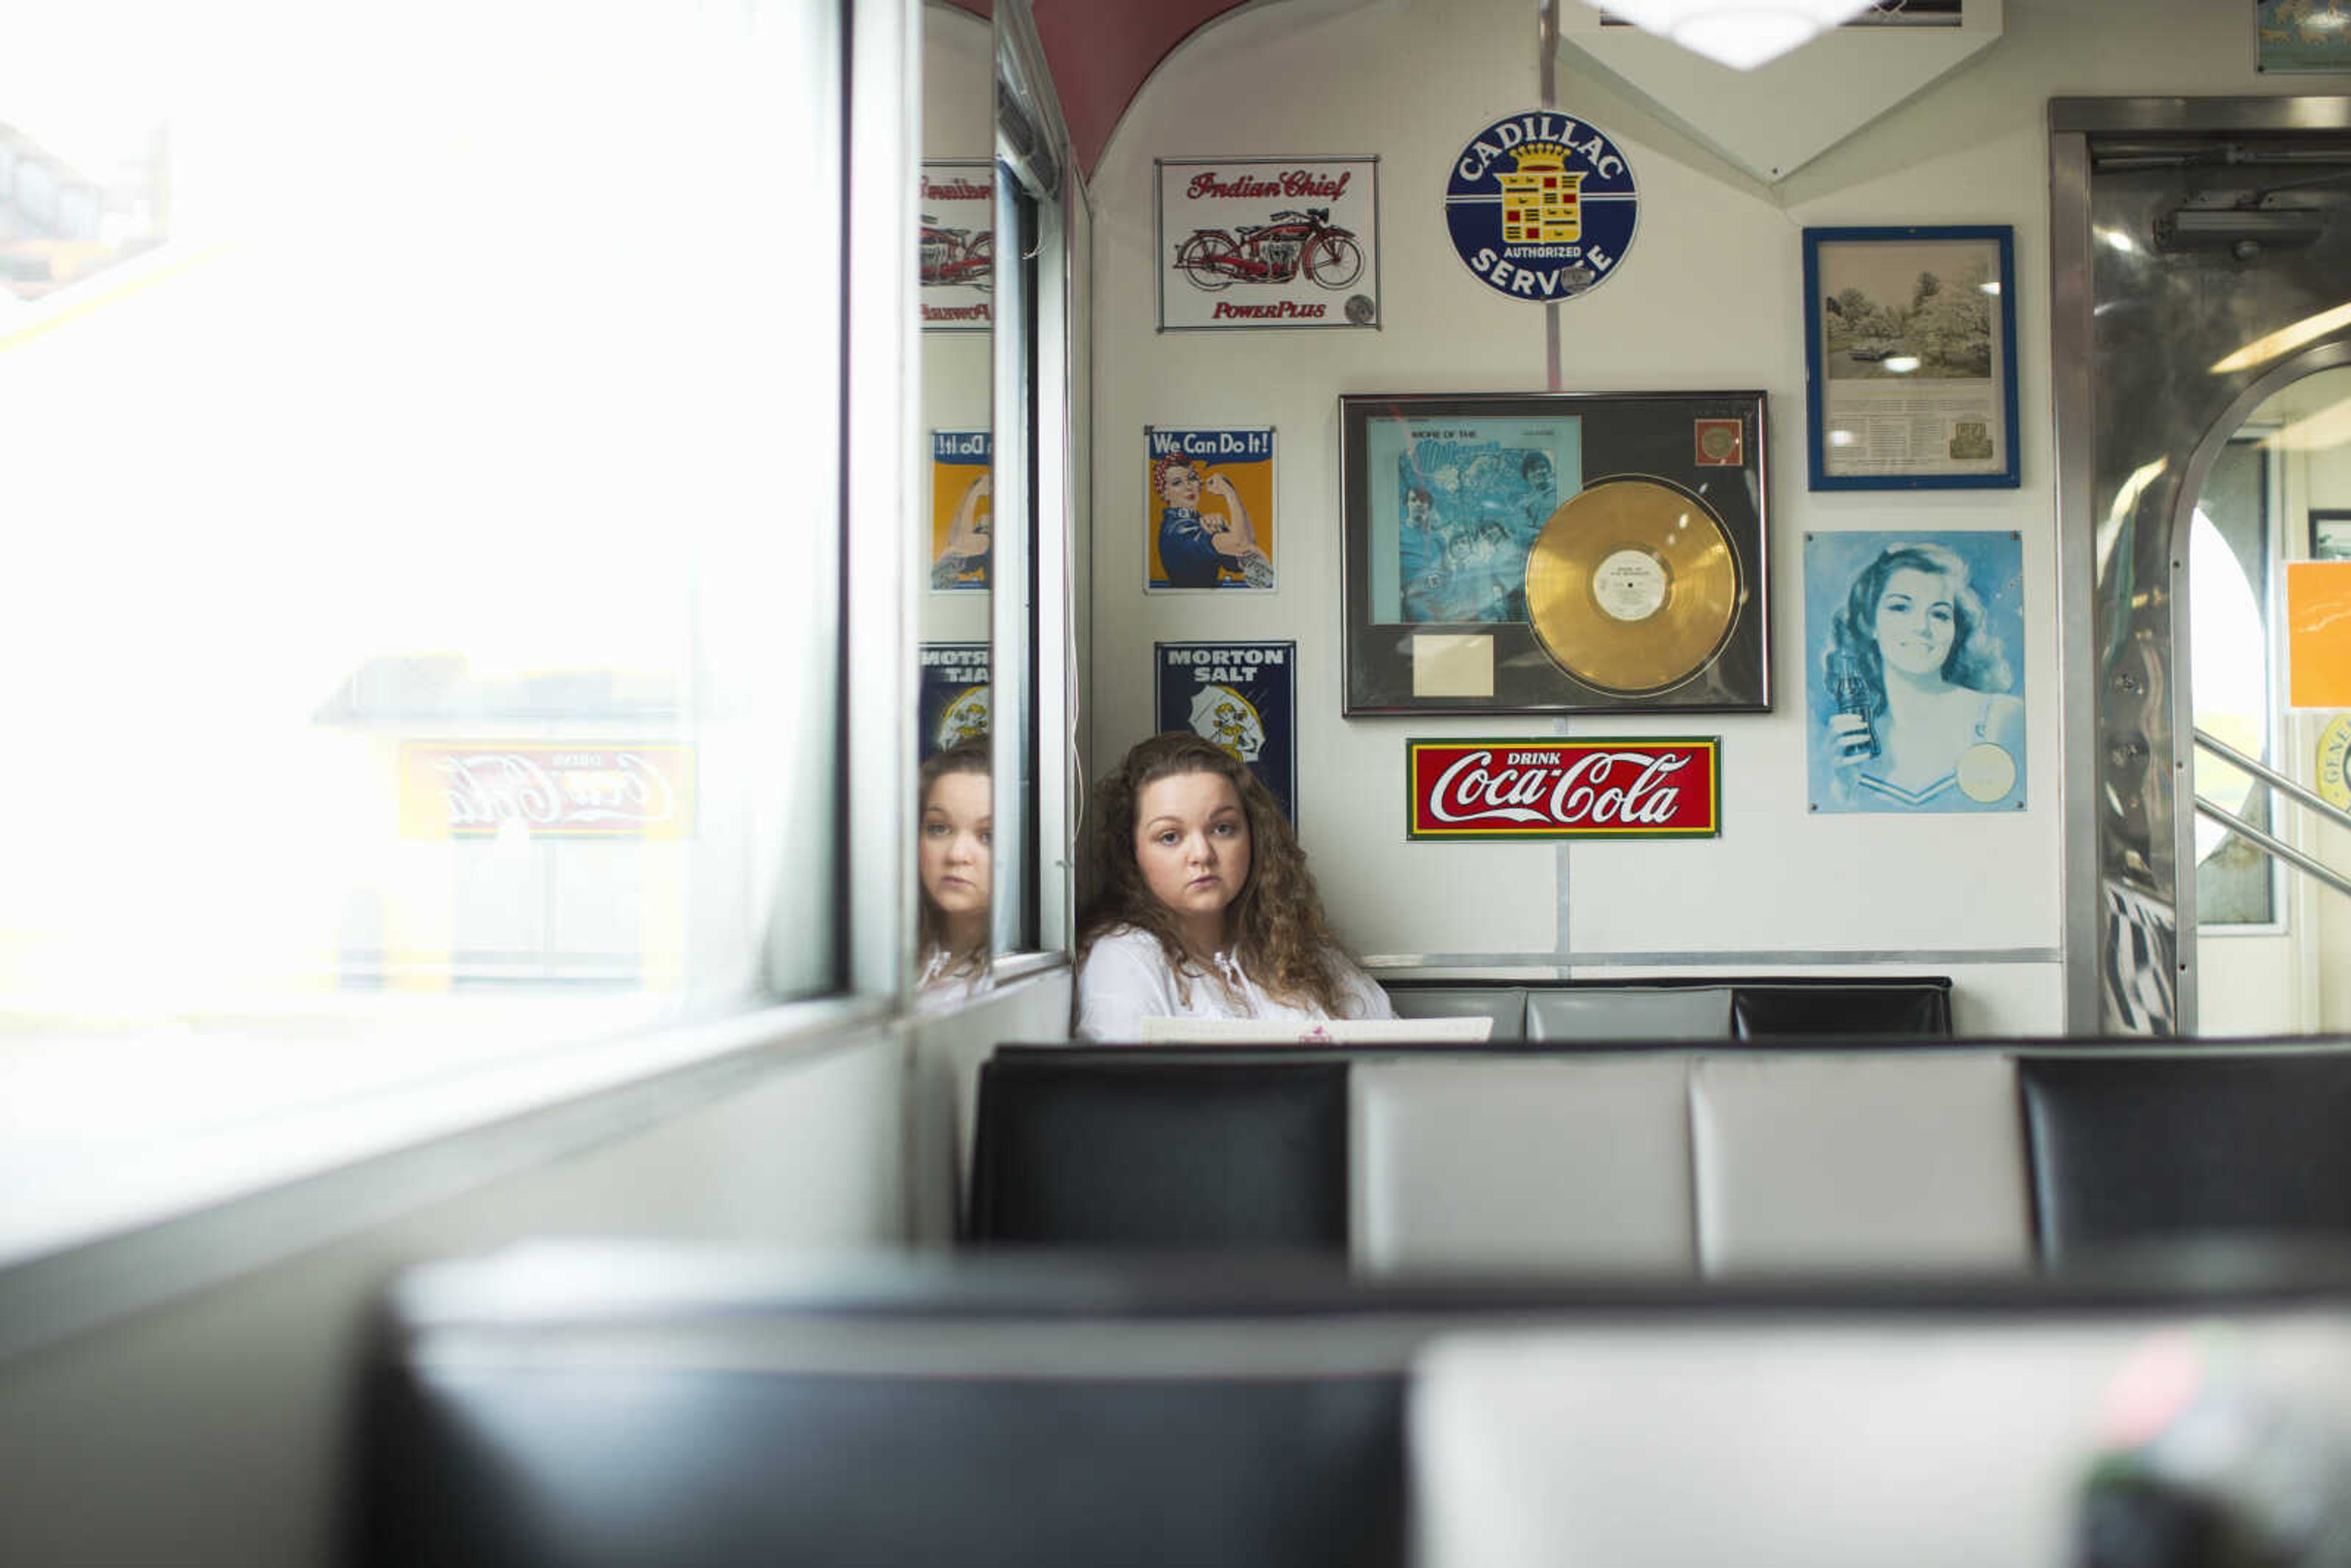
(2072, 397)
(1561, 963)
(2191, 115)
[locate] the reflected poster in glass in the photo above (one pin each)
(958, 246)
(963, 516)
(1913, 672)
(953, 698)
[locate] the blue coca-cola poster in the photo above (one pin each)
(1244, 697)
(1914, 670)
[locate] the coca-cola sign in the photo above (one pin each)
(1564, 788)
(463, 790)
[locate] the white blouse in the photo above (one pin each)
(1126, 979)
(939, 986)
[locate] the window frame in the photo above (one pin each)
(325, 1172)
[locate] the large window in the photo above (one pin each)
(422, 602)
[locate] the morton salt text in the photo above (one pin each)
(1598, 787)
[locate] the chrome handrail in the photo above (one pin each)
(2275, 780)
(2277, 848)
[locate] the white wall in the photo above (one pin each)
(212, 1429)
(1709, 296)
(947, 1054)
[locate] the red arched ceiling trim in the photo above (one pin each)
(1102, 51)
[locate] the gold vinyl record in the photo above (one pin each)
(1632, 585)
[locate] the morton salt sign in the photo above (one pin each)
(1563, 789)
(458, 789)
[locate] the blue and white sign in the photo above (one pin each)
(953, 701)
(1542, 206)
(1244, 697)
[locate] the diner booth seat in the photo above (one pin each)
(1673, 1159)
(1697, 1008)
(1537, 1163)
(1859, 1160)
(1505, 1005)
(1629, 1013)
(1250, 1154)
(2133, 1147)
(572, 1406)
(1809, 1012)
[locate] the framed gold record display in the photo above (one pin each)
(1562, 552)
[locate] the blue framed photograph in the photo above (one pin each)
(1910, 357)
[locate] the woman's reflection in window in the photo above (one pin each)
(955, 860)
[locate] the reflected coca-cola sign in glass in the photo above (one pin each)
(461, 789)
(1669, 788)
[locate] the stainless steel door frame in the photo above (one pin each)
(2146, 389)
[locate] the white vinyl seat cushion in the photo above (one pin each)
(1485, 1162)
(1610, 1012)
(1506, 1005)
(1836, 1159)
(1795, 1443)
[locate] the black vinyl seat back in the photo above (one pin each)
(2145, 1147)
(1090, 1152)
(718, 1432)
(566, 1406)
(649, 1468)
(1767, 1012)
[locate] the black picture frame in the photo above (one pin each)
(1872, 324)
(2325, 522)
(1671, 472)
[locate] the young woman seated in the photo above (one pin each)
(1203, 904)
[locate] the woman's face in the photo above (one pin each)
(1192, 843)
(1916, 622)
(958, 831)
(1180, 485)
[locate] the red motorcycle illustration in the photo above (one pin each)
(957, 255)
(1273, 253)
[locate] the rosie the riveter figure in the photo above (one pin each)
(1196, 548)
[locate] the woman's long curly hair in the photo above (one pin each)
(1275, 925)
(1976, 660)
(969, 755)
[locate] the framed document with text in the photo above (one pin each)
(1910, 357)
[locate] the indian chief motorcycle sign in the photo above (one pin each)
(1268, 242)
(1563, 789)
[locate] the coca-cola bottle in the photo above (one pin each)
(1850, 693)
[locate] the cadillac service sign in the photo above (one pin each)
(1563, 789)
(1542, 206)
